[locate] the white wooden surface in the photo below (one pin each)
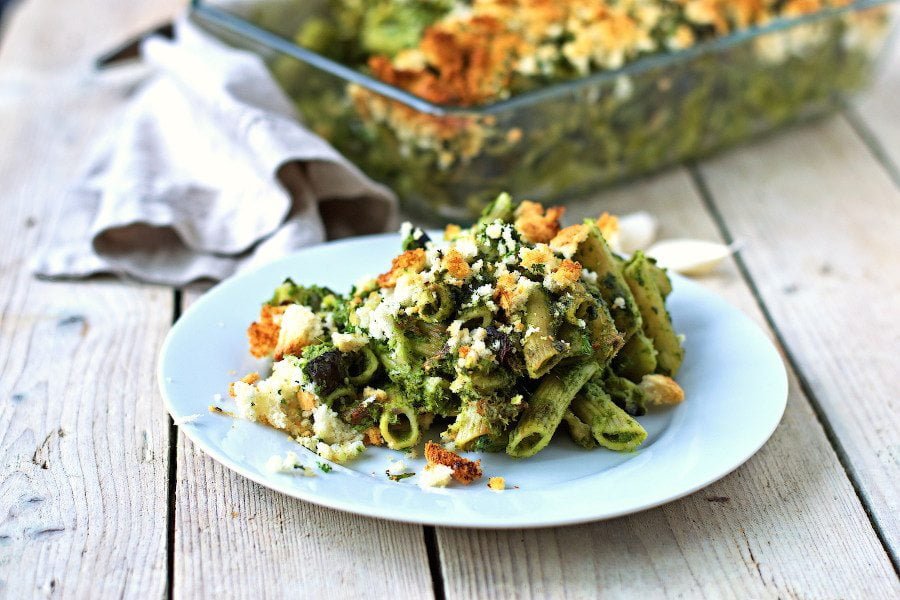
(234, 538)
(834, 302)
(83, 436)
(92, 506)
(752, 535)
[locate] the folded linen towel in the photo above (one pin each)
(209, 172)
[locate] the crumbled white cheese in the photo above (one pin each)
(408, 230)
(619, 303)
(329, 428)
(467, 247)
(494, 230)
(398, 467)
(299, 327)
(508, 244)
(519, 294)
(484, 291)
(406, 290)
(588, 276)
(377, 316)
(456, 334)
(262, 401)
(289, 463)
(332, 439)
(478, 350)
(434, 475)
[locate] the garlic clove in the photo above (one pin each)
(637, 231)
(690, 257)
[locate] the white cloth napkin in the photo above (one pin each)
(209, 172)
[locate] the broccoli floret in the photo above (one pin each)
(292, 293)
(389, 27)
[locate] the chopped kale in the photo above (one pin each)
(398, 476)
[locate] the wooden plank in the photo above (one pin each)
(84, 435)
(82, 430)
(822, 243)
(878, 112)
(235, 537)
(787, 524)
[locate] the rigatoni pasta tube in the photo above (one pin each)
(637, 358)
(469, 425)
(611, 426)
(657, 323)
(593, 253)
(605, 338)
(399, 424)
(546, 408)
(436, 304)
(540, 353)
(579, 431)
(362, 367)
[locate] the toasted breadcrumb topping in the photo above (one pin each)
(263, 334)
(498, 484)
(536, 224)
(465, 471)
(661, 390)
(372, 437)
(411, 261)
(455, 264)
(567, 240)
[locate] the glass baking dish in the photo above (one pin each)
(565, 139)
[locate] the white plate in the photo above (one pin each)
(734, 380)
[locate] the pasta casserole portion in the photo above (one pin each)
(498, 334)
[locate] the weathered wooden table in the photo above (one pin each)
(101, 496)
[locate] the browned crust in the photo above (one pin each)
(465, 471)
(537, 224)
(456, 264)
(372, 437)
(661, 390)
(504, 290)
(451, 231)
(291, 348)
(411, 261)
(263, 334)
(608, 225)
(567, 273)
(464, 65)
(569, 237)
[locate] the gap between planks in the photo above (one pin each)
(802, 379)
(871, 142)
(177, 296)
(433, 549)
